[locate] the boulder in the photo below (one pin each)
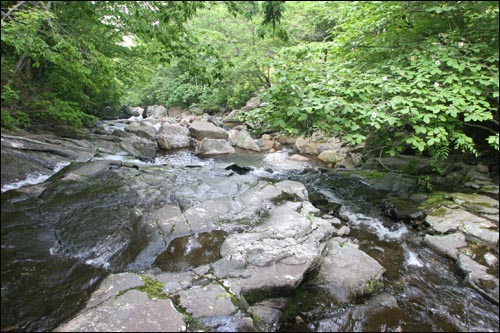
(144, 131)
(156, 111)
(275, 256)
(76, 150)
(306, 145)
(213, 147)
(204, 129)
(350, 161)
(143, 149)
(297, 157)
(173, 136)
(243, 140)
(348, 273)
(286, 140)
(231, 119)
(267, 143)
(252, 104)
(268, 313)
(333, 143)
(330, 156)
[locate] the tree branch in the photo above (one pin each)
(484, 127)
(5, 16)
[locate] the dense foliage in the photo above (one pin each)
(402, 76)
(67, 62)
(227, 59)
(398, 75)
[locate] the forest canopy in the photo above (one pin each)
(401, 75)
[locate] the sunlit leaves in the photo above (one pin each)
(418, 94)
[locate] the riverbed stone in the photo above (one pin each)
(112, 286)
(204, 216)
(204, 129)
(477, 203)
(330, 156)
(243, 140)
(306, 145)
(170, 219)
(79, 171)
(447, 245)
(173, 282)
(275, 256)
(485, 231)
(446, 220)
(173, 136)
(213, 147)
(139, 147)
(381, 309)
(268, 313)
(297, 157)
(477, 277)
(207, 301)
(132, 311)
(346, 272)
(142, 130)
(18, 165)
(156, 111)
(75, 150)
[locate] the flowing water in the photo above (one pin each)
(56, 248)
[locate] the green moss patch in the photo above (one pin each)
(152, 287)
(436, 200)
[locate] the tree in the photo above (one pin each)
(399, 76)
(62, 62)
(227, 59)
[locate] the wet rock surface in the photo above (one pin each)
(126, 238)
(132, 311)
(348, 273)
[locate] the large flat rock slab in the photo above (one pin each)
(447, 245)
(79, 151)
(275, 256)
(131, 312)
(113, 285)
(207, 301)
(446, 220)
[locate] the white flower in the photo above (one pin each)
(461, 44)
(438, 62)
(436, 84)
(384, 78)
(374, 115)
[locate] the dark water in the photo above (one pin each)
(58, 247)
(430, 293)
(191, 251)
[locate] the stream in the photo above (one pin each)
(65, 234)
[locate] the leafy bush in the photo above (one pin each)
(428, 97)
